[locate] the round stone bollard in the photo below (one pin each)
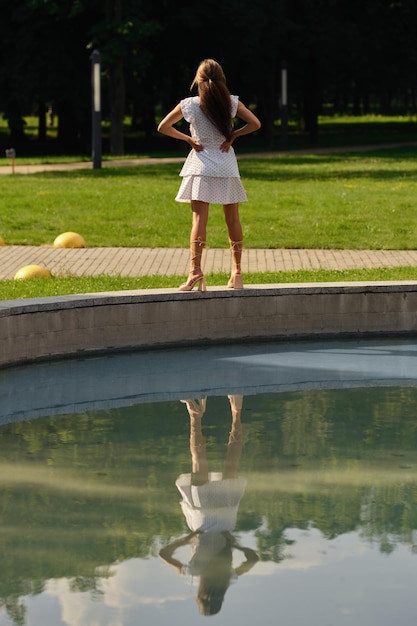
(32, 271)
(70, 240)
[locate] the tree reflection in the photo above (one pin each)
(210, 502)
(80, 494)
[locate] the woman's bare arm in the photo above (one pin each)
(252, 124)
(166, 127)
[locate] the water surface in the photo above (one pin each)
(317, 471)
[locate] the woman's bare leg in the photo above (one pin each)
(197, 243)
(200, 212)
(235, 443)
(199, 465)
(234, 227)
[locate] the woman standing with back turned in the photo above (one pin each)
(210, 172)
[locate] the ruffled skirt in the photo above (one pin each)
(211, 507)
(212, 189)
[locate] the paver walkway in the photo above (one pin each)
(174, 261)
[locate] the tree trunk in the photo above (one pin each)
(67, 127)
(117, 107)
(117, 91)
(15, 120)
(267, 108)
(41, 121)
(311, 101)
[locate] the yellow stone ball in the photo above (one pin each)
(69, 240)
(32, 271)
(2, 243)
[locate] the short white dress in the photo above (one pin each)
(210, 175)
(213, 506)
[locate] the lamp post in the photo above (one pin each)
(96, 107)
(284, 106)
(11, 154)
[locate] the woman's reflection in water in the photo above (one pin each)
(210, 502)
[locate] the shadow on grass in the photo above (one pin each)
(280, 166)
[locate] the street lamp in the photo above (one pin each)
(96, 107)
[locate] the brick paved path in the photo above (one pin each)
(174, 261)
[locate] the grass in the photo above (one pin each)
(356, 200)
(38, 288)
(350, 200)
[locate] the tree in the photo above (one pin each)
(44, 64)
(122, 35)
(352, 56)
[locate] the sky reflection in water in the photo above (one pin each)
(322, 530)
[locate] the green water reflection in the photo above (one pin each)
(83, 492)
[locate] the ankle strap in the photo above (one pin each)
(236, 245)
(197, 246)
(199, 242)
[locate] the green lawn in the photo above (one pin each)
(354, 200)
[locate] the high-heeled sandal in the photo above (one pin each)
(236, 402)
(236, 280)
(195, 260)
(196, 406)
(192, 282)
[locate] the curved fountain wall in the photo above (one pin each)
(54, 327)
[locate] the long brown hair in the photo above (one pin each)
(215, 581)
(214, 95)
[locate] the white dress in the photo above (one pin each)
(210, 175)
(213, 506)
